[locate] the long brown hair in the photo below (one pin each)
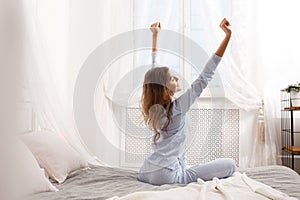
(156, 98)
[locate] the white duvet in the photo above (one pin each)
(237, 187)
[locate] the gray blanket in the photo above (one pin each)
(104, 182)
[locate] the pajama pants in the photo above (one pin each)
(220, 168)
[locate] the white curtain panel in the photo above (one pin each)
(46, 69)
(274, 44)
(264, 55)
(92, 24)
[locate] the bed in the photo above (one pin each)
(99, 182)
(104, 182)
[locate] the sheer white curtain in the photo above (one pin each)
(45, 72)
(257, 48)
(276, 66)
(56, 48)
(93, 23)
(263, 52)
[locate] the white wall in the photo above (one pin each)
(10, 61)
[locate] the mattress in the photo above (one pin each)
(104, 182)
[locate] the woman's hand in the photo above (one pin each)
(224, 26)
(155, 28)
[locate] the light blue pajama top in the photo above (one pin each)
(169, 150)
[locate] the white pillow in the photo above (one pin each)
(28, 177)
(53, 154)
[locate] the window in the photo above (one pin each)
(191, 18)
(169, 13)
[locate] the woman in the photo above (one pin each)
(166, 116)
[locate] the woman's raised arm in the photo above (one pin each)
(224, 26)
(155, 28)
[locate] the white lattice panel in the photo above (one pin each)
(214, 134)
(137, 137)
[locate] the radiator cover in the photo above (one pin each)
(214, 134)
